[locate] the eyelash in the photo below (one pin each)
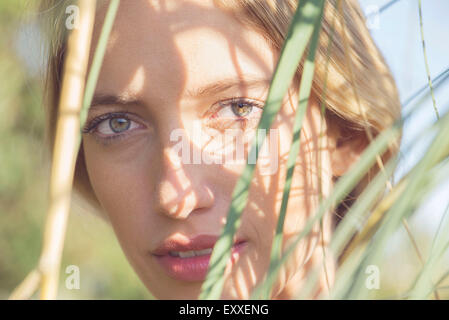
(94, 123)
(247, 101)
(229, 102)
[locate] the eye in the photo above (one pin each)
(241, 112)
(116, 126)
(241, 109)
(112, 125)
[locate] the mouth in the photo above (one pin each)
(188, 260)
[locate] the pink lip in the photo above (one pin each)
(194, 268)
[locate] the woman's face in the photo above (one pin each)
(180, 93)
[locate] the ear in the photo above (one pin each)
(347, 144)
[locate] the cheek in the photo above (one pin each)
(121, 185)
(267, 189)
(260, 218)
(266, 199)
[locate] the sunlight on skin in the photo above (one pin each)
(137, 82)
(162, 51)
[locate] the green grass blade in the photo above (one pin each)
(375, 219)
(353, 219)
(304, 94)
(438, 150)
(423, 283)
(347, 269)
(295, 44)
(371, 225)
(426, 62)
(97, 59)
(358, 212)
(345, 184)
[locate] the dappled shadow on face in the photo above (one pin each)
(159, 53)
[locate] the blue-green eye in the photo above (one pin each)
(112, 125)
(115, 125)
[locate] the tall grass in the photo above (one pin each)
(394, 209)
(73, 106)
(305, 22)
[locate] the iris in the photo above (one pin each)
(119, 125)
(241, 109)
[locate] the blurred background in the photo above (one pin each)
(91, 244)
(24, 171)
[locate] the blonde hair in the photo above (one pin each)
(361, 95)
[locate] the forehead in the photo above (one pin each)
(175, 46)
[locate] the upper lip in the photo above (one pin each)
(199, 242)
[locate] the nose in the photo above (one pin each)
(181, 189)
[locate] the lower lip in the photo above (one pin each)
(194, 268)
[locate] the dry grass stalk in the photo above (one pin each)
(66, 146)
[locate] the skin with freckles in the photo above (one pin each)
(187, 65)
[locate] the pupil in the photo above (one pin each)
(119, 124)
(241, 109)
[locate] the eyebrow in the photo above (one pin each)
(208, 90)
(110, 99)
(227, 85)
